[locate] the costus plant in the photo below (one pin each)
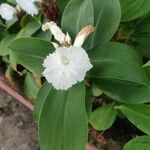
(71, 55)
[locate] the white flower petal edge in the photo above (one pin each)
(28, 6)
(7, 12)
(66, 66)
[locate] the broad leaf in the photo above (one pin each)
(63, 120)
(107, 18)
(76, 16)
(103, 117)
(116, 62)
(30, 53)
(138, 115)
(138, 143)
(62, 4)
(132, 9)
(125, 92)
(117, 71)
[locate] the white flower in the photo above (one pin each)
(7, 12)
(68, 64)
(28, 6)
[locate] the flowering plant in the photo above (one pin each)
(92, 48)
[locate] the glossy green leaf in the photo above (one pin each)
(30, 53)
(4, 49)
(117, 62)
(31, 87)
(63, 121)
(132, 9)
(107, 17)
(76, 16)
(103, 117)
(40, 99)
(138, 115)
(138, 143)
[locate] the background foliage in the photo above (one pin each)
(119, 50)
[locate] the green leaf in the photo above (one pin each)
(31, 87)
(143, 25)
(116, 62)
(9, 74)
(76, 16)
(62, 4)
(31, 27)
(138, 143)
(63, 121)
(103, 117)
(138, 115)
(117, 71)
(147, 64)
(125, 92)
(30, 53)
(132, 9)
(107, 17)
(141, 42)
(4, 49)
(43, 35)
(96, 91)
(40, 99)
(88, 101)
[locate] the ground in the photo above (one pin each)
(17, 129)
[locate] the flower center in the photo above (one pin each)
(64, 60)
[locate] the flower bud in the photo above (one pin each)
(82, 35)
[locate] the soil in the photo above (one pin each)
(17, 129)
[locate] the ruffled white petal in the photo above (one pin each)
(63, 75)
(7, 12)
(28, 6)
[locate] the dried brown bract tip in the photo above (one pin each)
(50, 10)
